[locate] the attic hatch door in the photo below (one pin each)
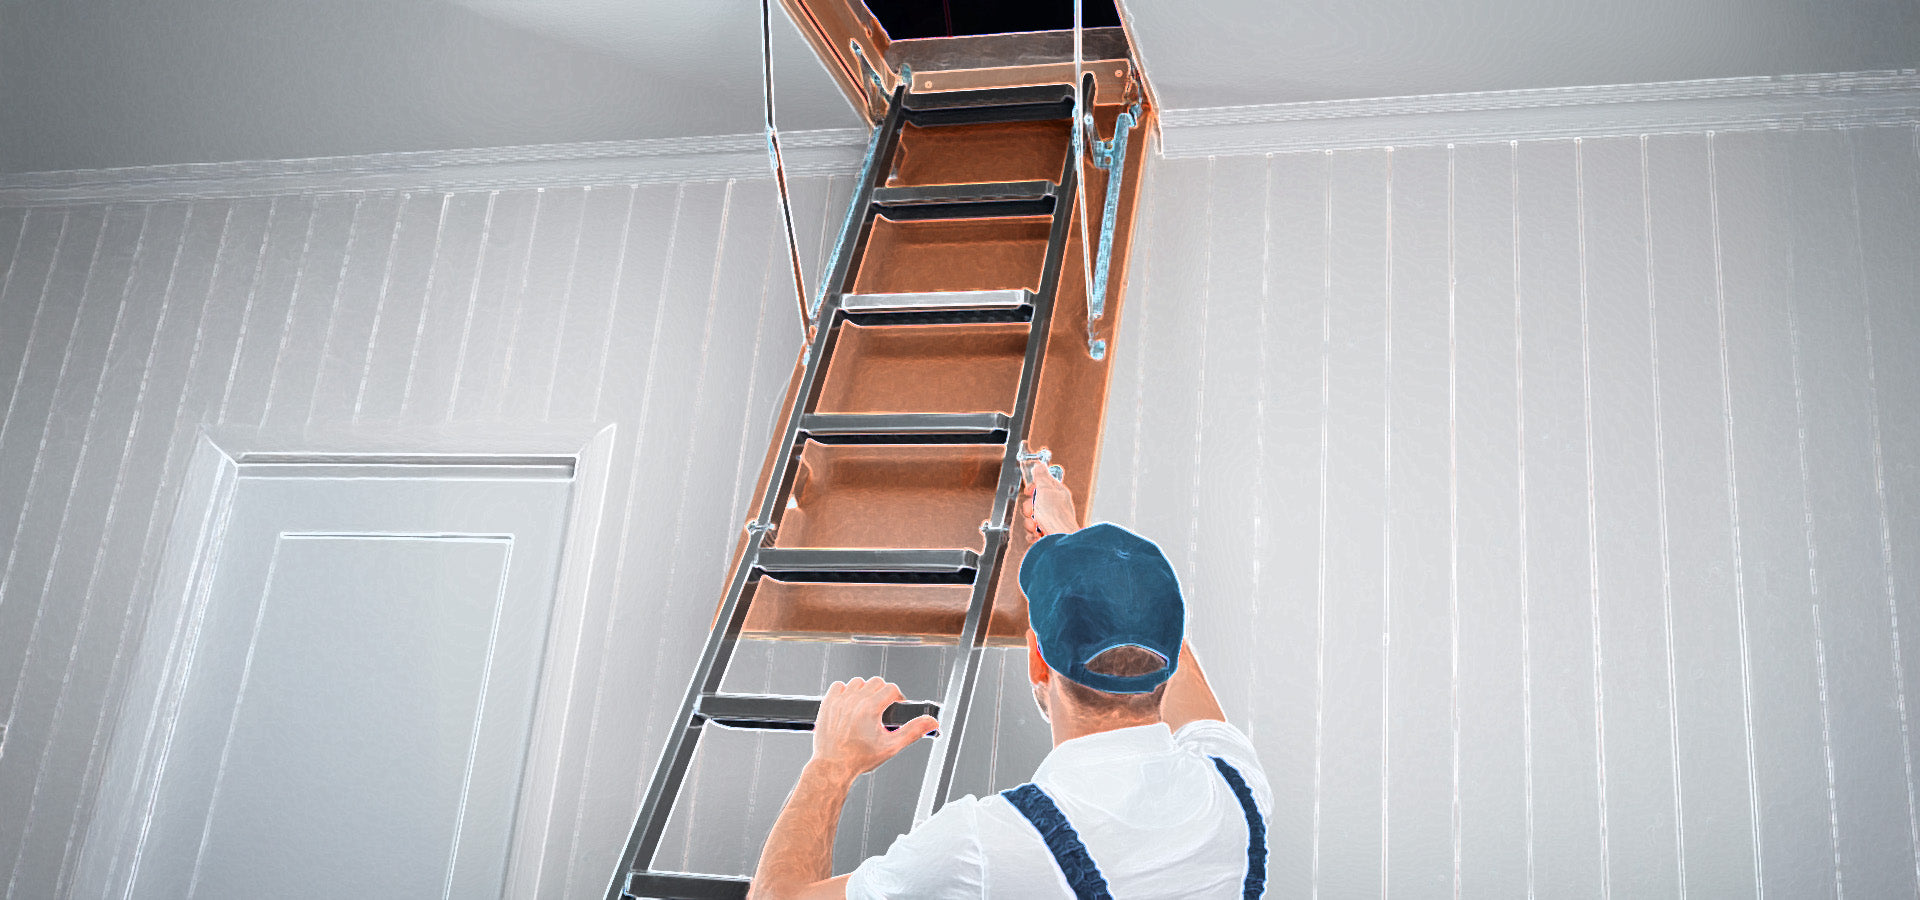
(953, 45)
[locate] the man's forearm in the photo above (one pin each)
(799, 851)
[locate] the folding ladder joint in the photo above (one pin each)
(1111, 156)
(1104, 152)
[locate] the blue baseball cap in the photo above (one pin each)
(1098, 588)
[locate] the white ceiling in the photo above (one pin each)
(1235, 52)
(118, 82)
(101, 83)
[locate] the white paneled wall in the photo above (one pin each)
(1550, 511)
(125, 328)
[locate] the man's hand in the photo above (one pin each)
(848, 737)
(1046, 504)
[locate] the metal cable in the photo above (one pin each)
(779, 163)
(1082, 125)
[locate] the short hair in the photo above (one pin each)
(1122, 661)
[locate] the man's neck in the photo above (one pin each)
(1070, 726)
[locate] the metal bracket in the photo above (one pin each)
(873, 73)
(1111, 156)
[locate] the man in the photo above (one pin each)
(1148, 791)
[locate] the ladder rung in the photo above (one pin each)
(906, 428)
(953, 201)
(792, 713)
(945, 301)
(686, 886)
(1022, 104)
(869, 566)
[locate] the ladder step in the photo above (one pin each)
(686, 886)
(955, 201)
(939, 307)
(907, 428)
(1022, 104)
(868, 566)
(792, 713)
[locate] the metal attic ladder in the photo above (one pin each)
(760, 560)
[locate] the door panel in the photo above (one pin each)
(356, 718)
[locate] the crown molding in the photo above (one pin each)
(1845, 99)
(716, 157)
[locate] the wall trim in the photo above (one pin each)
(708, 158)
(1834, 100)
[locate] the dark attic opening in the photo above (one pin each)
(907, 19)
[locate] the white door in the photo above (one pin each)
(356, 714)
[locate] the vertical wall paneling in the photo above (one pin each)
(1875, 846)
(1220, 560)
(351, 318)
(1796, 855)
(525, 367)
(78, 730)
(583, 328)
(1352, 786)
(263, 320)
(42, 628)
(302, 330)
(452, 280)
(1285, 667)
(1570, 815)
(397, 304)
(1419, 664)
(20, 288)
(1625, 562)
(1496, 852)
(28, 280)
(37, 371)
(1163, 489)
(513, 217)
(63, 623)
(32, 421)
(1701, 536)
(1887, 183)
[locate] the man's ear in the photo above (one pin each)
(1037, 671)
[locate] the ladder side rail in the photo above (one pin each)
(873, 172)
(683, 740)
(966, 663)
(685, 736)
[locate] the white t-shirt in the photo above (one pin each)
(1150, 806)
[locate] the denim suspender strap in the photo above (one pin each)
(1068, 853)
(1256, 884)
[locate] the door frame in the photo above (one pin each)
(136, 761)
